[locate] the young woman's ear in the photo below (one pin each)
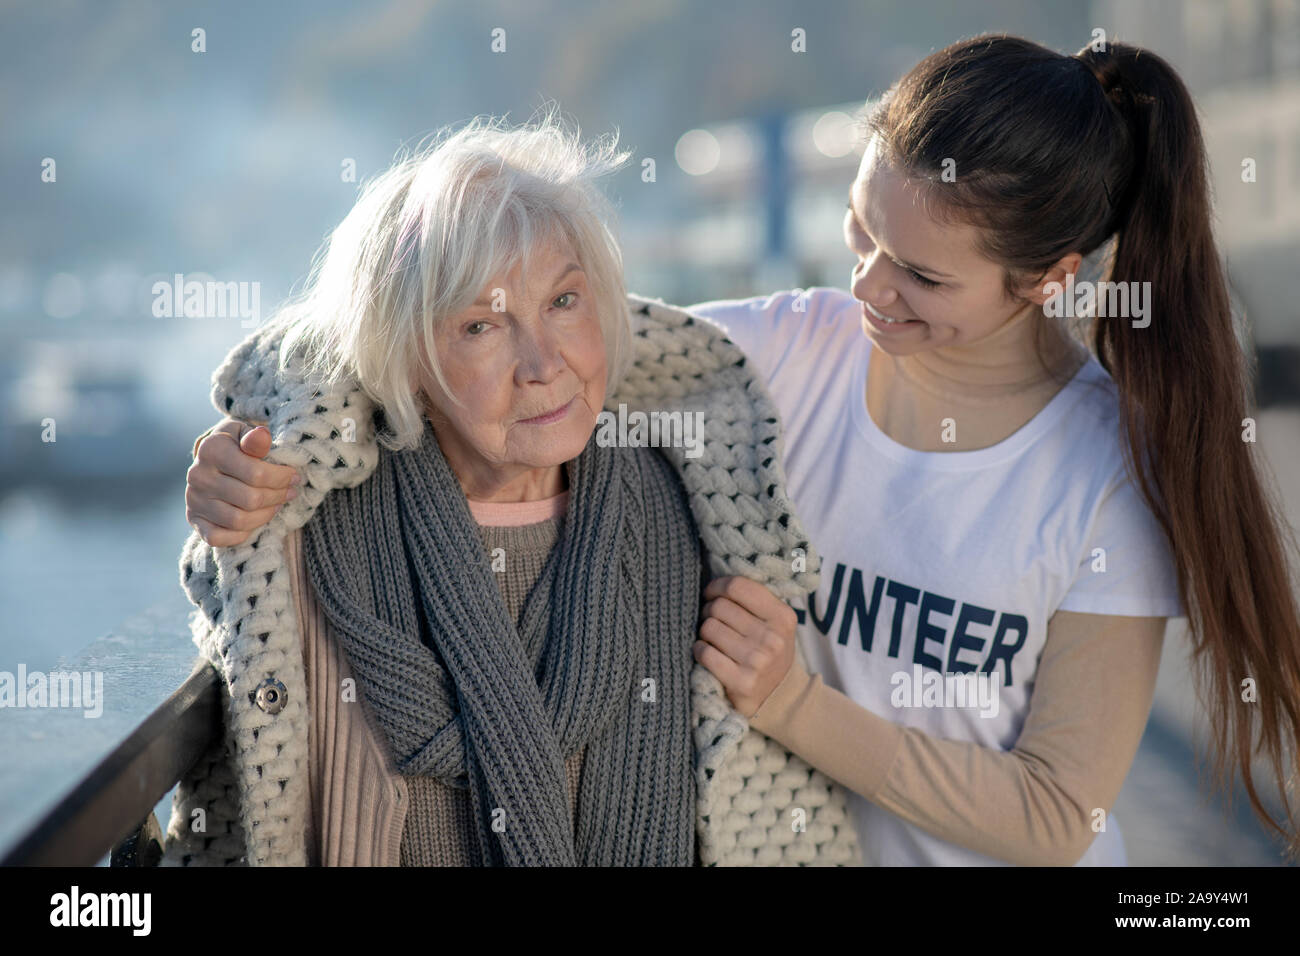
(1068, 264)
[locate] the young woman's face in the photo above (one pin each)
(530, 377)
(924, 274)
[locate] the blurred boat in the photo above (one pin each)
(77, 420)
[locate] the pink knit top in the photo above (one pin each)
(513, 514)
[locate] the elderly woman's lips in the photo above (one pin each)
(549, 417)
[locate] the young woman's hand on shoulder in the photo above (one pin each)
(229, 491)
(746, 641)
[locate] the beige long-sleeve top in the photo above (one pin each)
(1037, 803)
(1032, 805)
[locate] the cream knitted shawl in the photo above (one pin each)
(757, 804)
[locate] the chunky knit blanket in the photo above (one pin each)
(245, 801)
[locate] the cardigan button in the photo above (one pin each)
(271, 696)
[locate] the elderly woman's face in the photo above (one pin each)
(530, 375)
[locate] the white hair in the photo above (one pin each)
(429, 233)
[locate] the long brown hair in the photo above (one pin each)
(1056, 154)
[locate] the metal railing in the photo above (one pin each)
(111, 809)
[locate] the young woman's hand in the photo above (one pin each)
(746, 640)
(229, 491)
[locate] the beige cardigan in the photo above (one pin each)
(357, 799)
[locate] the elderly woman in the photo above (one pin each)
(470, 639)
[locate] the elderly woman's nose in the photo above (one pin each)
(540, 357)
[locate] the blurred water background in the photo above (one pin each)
(129, 158)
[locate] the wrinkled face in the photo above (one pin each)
(527, 362)
(924, 275)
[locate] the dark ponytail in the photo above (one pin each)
(1184, 385)
(1056, 154)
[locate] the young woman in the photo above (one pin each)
(1002, 511)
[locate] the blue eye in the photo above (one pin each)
(564, 295)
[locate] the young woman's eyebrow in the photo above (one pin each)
(905, 265)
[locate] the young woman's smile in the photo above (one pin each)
(884, 324)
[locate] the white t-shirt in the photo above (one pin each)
(945, 562)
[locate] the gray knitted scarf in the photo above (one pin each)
(601, 656)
